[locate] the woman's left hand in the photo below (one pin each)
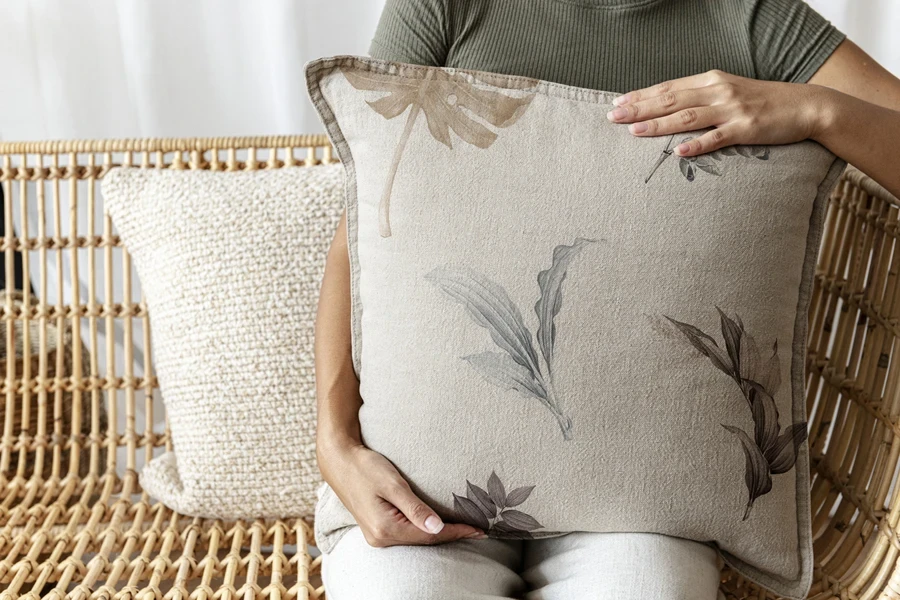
(742, 111)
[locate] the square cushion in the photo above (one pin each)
(561, 327)
(230, 265)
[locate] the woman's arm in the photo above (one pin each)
(381, 501)
(851, 105)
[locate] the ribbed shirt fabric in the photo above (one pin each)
(611, 45)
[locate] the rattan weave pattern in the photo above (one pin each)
(99, 536)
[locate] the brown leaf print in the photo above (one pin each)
(771, 450)
(492, 509)
(448, 100)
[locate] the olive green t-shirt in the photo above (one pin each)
(611, 45)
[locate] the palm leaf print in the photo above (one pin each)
(771, 450)
(517, 367)
(492, 509)
(448, 100)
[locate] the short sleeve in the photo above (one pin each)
(789, 40)
(412, 31)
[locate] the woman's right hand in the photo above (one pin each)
(381, 500)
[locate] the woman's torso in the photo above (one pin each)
(612, 45)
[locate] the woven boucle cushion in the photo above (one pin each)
(559, 326)
(230, 265)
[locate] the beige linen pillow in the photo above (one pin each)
(561, 327)
(230, 265)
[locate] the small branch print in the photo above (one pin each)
(492, 509)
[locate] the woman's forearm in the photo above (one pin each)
(337, 388)
(864, 134)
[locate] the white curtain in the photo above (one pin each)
(132, 68)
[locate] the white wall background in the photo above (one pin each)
(132, 68)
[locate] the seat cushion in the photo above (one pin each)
(230, 265)
(558, 326)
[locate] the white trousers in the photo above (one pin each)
(578, 566)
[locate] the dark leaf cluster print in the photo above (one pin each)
(709, 163)
(494, 510)
(449, 100)
(771, 450)
(518, 365)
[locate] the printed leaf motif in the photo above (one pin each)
(772, 451)
(518, 366)
(449, 100)
(548, 305)
(765, 415)
(757, 476)
(770, 377)
(706, 345)
(496, 490)
(706, 164)
(490, 306)
(731, 333)
(507, 531)
(518, 495)
(501, 370)
(482, 499)
(519, 520)
(470, 511)
(687, 169)
(758, 152)
(491, 510)
(709, 162)
(783, 453)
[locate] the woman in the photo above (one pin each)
(757, 72)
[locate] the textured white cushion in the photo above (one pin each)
(559, 326)
(230, 265)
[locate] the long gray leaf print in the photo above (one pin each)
(501, 370)
(756, 475)
(548, 305)
(518, 367)
(771, 450)
(490, 306)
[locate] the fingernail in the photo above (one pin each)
(434, 524)
(621, 100)
(639, 128)
(478, 535)
(616, 114)
(682, 148)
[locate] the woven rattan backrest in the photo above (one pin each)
(80, 410)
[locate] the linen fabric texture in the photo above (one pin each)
(624, 566)
(559, 327)
(230, 266)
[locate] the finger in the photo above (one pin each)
(709, 141)
(390, 527)
(413, 508)
(451, 532)
(672, 85)
(689, 119)
(662, 105)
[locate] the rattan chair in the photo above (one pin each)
(67, 534)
